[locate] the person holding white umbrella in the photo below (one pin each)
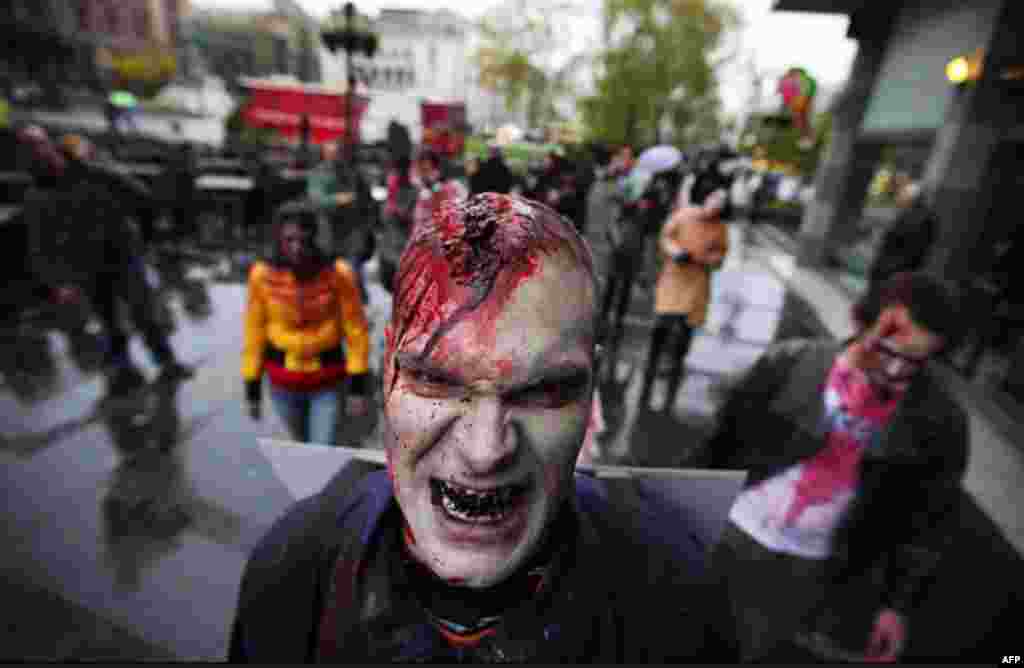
(644, 204)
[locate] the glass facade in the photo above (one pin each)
(994, 355)
(884, 233)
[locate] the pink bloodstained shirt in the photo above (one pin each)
(797, 510)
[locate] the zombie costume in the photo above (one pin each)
(845, 505)
(332, 581)
(81, 236)
(308, 335)
(690, 249)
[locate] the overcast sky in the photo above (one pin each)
(773, 41)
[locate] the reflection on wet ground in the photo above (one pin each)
(138, 508)
(150, 501)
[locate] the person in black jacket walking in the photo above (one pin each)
(628, 234)
(855, 453)
(493, 176)
(83, 247)
(907, 242)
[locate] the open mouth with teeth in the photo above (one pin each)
(472, 506)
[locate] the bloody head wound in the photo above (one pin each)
(469, 258)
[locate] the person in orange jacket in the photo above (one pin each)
(693, 243)
(306, 329)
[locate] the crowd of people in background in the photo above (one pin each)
(349, 221)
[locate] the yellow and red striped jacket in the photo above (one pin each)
(294, 330)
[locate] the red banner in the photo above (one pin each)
(444, 126)
(282, 108)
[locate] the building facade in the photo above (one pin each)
(961, 143)
(272, 39)
(77, 42)
(421, 55)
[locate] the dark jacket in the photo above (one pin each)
(637, 221)
(629, 587)
(906, 243)
(908, 487)
(493, 176)
(131, 192)
(78, 232)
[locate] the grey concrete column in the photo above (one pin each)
(845, 172)
(956, 180)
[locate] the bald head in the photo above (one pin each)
(476, 251)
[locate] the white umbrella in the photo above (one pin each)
(659, 159)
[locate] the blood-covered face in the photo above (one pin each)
(296, 243)
(894, 350)
(482, 435)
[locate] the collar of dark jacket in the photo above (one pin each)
(387, 621)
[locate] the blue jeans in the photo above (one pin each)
(310, 416)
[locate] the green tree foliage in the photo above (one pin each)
(518, 63)
(658, 65)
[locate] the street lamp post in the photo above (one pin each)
(350, 39)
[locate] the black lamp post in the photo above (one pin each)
(351, 39)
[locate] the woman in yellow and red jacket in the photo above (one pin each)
(306, 329)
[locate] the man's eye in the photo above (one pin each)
(427, 378)
(552, 395)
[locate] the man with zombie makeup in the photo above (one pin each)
(84, 250)
(479, 544)
(434, 188)
(855, 457)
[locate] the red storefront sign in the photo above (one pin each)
(444, 125)
(281, 106)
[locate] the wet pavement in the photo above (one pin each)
(133, 516)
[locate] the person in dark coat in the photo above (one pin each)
(181, 177)
(636, 222)
(83, 247)
(907, 242)
(493, 176)
(341, 193)
(855, 455)
(479, 544)
(399, 208)
(135, 196)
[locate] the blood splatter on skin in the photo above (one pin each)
(466, 262)
(895, 325)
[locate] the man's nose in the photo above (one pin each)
(486, 439)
